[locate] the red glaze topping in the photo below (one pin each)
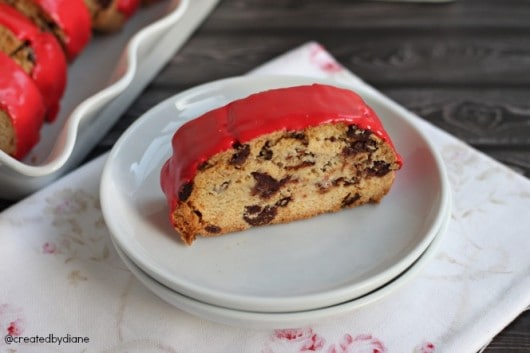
(21, 99)
(291, 109)
(73, 17)
(49, 71)
(128, 7)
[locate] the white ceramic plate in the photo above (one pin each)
(103, 80)
(257, 320)
(298, 266)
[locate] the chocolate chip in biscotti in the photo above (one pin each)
(266, 186)
(359, 146)
(18, 49)
(345, 181)
(185, 191)
(355, 133)
(204, 165)
(253, 209)
(26, 52)
(305, 159)
(283, 202)
(104, 3)
(350, 199)
(303, 164)
(379, 169)
(212, 229)
(326, 185)
(255, 215)
(241, 154)
(298, 135)
(266, 152)
(359, 141)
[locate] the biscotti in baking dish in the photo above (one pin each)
(38, 39)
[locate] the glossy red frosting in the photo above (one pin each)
(49, 71)
(291, 109)
(73, 17)
(128, 7)
(21, 99)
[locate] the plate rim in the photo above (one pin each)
(243, 302)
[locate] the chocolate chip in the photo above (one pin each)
(300, 136)
(31, 56)
(265, 216)
(185, 191)
(297, 135)
(349, 200)
(345, 182)
(266, 186)
(325, 186)
(359, 146)
(266, 152)
(379, 169)
(53, 27)
(104, 3)
(27, 50)
(253, 209)
(348, 151)
(284, 201)
(212, 229)
(338, 181)
(352, 129)
(360, 141)
(241, 154)
(354, 132)
(204, 165)
(304, 164)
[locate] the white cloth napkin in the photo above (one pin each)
(62, 280)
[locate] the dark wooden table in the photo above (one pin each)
(464, 66)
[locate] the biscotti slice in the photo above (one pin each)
(274, 157)
(68, 20)
(21, 109)
(38, 53)
(111, 15)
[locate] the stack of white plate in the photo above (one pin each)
(280, 275)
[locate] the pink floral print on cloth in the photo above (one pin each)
(12, 320)
(307, 340)
(302, 340)
(323, 60)
(359, 344)
(425, 347)
(82, 234)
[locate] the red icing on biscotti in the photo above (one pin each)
(49, 71)
(73, 17)
(21, 100)
(128, 7)
(288, 109)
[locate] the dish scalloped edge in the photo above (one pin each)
(70, 130)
